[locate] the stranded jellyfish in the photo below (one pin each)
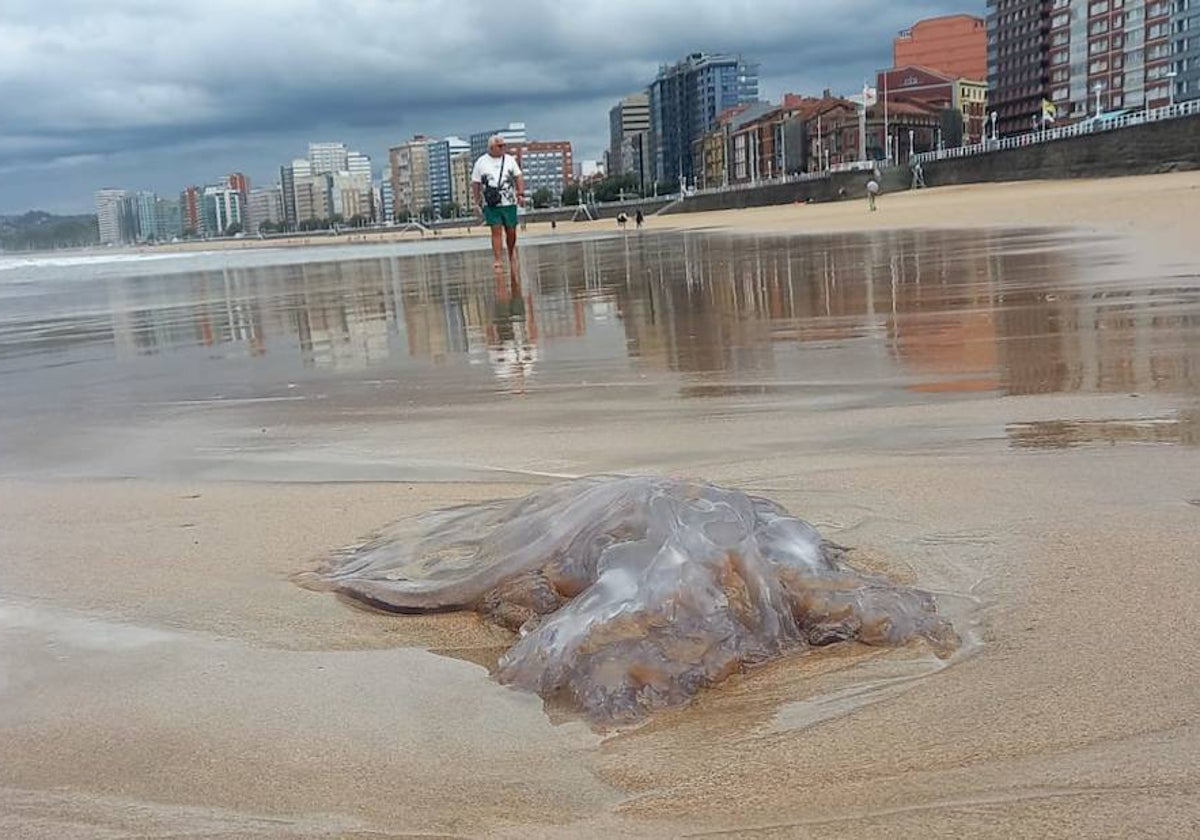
(629, 594)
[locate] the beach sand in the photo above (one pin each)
(161, 676)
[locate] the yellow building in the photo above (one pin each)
(713, 154)
(971, 99)
(460, 180)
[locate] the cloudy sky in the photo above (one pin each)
(151, 94)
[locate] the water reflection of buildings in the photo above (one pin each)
(936, 311)
(149, 316)
(340, 312)
(956, 311)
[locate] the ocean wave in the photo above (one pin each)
(10, 263)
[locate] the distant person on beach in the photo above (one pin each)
(640, 219)
(497, 187)
(622, 219)
(872, 192)
(918, 176)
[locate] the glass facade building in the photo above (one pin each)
(685, 100)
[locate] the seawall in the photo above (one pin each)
(837, 187)
(1147, 149)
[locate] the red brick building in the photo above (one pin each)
(955, 45)
(190, 210)
(941, 90)
(546, 164)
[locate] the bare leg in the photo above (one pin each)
(497, 234)
(512, 245)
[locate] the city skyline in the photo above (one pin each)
(254, 101)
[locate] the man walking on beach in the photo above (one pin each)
(497, 187)
(872, 192)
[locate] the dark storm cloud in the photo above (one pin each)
(140, 93)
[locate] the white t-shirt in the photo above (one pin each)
(487, 172)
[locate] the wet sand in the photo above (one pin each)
(1011, 420)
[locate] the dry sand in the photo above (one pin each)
(159, 675)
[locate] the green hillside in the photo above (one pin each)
(37, 231)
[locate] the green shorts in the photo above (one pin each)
(505, 214)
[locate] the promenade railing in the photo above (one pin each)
(1095, 125)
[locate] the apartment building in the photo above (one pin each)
(547, 165)
(1085, 56)
(1185, 32)
(685, 100)
(627, 118)
(1106, 55)
(1018, 42)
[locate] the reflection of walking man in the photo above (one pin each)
(497, 186)
(512, 335)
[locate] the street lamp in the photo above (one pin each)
(995, 135)
(1171, 74)
(1098, 88)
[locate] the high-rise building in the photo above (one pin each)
(190, 212)
(222, 210)
(628, 117)
(358, 167)
(239, 182)
(1018, 60)
(685, 100)
(955, 45)
(314, 197)
(287, 194)
(1106, 55)
(460, 180)
(169, 218)
(109, 216)
(1083, 56)
(546, 165)
(264, 205)
(410, 177)
(145, 215)
(514, 135)
(348, 198)
(1185, 29)
(386, 204)
(441, 152)
(328, 157)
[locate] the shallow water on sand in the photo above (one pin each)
(118, 369)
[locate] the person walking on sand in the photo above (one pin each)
(872, 191)
(497, 187)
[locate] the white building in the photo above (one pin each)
(222, 210)
(328, 157)
(109, 210)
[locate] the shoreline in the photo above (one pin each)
(1058, 203)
